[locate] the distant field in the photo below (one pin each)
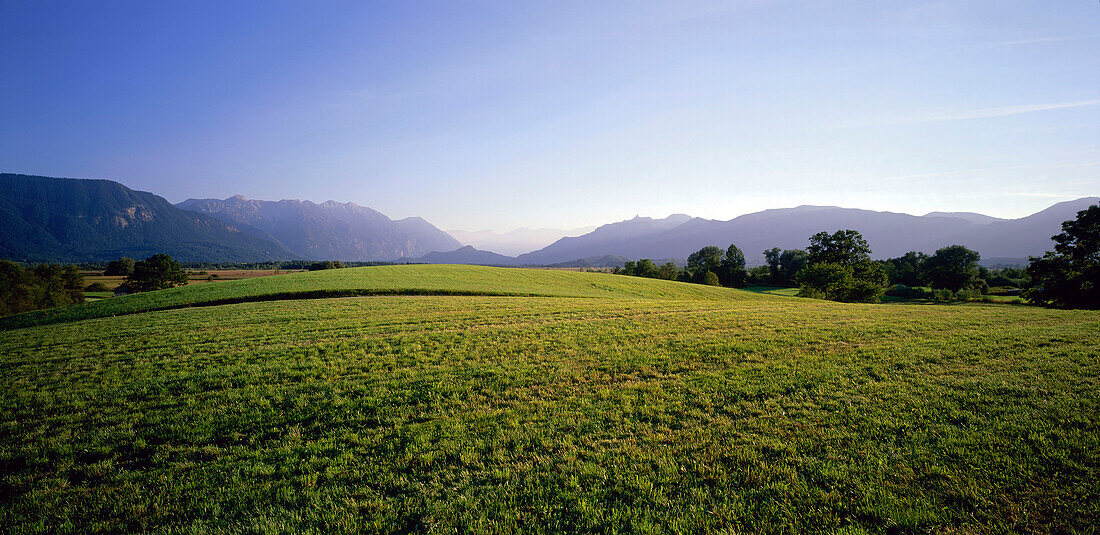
(409, 279)
(611, 404)
(112, 281)
(772, 290)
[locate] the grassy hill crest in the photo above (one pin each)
(383, 280)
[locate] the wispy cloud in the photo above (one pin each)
(988, 113)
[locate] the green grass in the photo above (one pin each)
(773, 290)
(708, 410)
(98, 295)
(377, 280)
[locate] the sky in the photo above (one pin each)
(499, 115)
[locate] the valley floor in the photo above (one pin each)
(454, 414)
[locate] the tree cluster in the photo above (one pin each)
(1069, 276)
(123, 267)
(954, 269)
(43, 286)
(157, 272)
(646, 268)
(781, 266)
(709, 265)
(839, 268)
(327, 264)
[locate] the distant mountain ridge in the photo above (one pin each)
(75, 220)
(514, 242)
(329, 230)
(46, 219)
(889, 234)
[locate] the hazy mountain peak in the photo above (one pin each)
(74, 220)
(889, 234)
(516, 241)
(973, 217)
(329, 230)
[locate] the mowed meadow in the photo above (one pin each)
(450, 399)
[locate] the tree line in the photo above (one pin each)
(838, 266)
(42, 286)
(709, 265)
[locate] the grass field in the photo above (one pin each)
(611, 404)
(193, 277)
(410, 279)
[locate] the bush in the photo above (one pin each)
(710, 279)
(96, 287)
(967, 294)
(859, 291)
(943, 294)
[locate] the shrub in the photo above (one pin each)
(96, 287)
(943, 294)
(967, 294)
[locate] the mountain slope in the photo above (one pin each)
(330, 230)
(515, 242)
(608, 239)
(467, 255)
(968, 216)
(73, 220)
(889, 234)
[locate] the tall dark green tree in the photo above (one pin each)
(668, 271)
(156, 273)
(708, 258)
(733, 267)
(122, 267)
(840, 268)
(646, 268)
(773, 257)
(790, 263)
(953, 267)
(907, 269)
(1069, 276)
(844, 247)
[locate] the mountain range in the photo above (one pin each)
(45, 219)
(515, 242)
(73, 220)
(889, 234)
(329, 230)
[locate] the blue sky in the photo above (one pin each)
(497, 115)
